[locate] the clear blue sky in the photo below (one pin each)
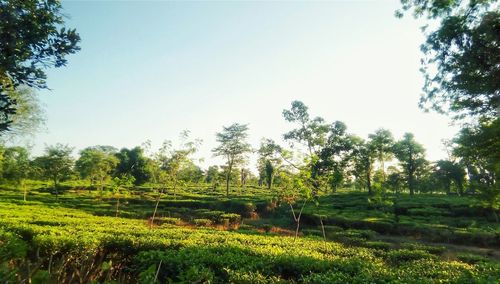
(149, 69)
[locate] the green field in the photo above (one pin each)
(202, 237)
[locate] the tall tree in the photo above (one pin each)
(449, 172)
(477, 148)
(411, 156)
(335, 155)
(32, 38)
(382, 142)
(133, 162)
(96, 164)
(176, 164)
(461, 56)
(311, 133)
(16, 166)
(362, 159)
(232, 147)
(56, 164)
(269, 161)
(212, 176)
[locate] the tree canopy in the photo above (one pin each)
(232, 147)
(461, 56)
(32, 38)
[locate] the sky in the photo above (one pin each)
(150, 69)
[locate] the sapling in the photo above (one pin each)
(119, 186)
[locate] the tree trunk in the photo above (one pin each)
(410, 184)
(23, 186)
(448, 188)
(117, 206)
(156, 208)
(175, 188)
(271, 180)
(369, 183)
(55, 188)
(228, 176)
(460, 187)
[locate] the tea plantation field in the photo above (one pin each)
(205, 238)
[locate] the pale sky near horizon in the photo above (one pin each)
(149, 69)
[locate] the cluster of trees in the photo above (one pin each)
(462, 78)
(324, 156)
(334, 158)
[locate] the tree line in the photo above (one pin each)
(325, 155)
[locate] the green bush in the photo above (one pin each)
(230, 219)
(202, 222)
(471, 258)
(377, 245)
(428, 248)
(169, 220)
(400, 256)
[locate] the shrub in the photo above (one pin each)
(400, 256)
(169, 220)
(428, 248)
(471, 258)
(230, 219)
(377, 245)
(202, 222)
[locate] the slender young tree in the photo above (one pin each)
(233, 147)
(16, 166)
(310, 133)
(269, 161)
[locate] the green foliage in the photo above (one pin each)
(132, 162)
(202, 222)
(96, 164)
(411, 157)
(125, 248)
(56, 164)
(29, 117)
(33, 38)
(233, 147)
(461, 59)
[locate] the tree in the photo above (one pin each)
(16, 166)
(411, 156)
(232, 147)
(56, 164)
(311, 133)
(32, 38)
(269, 161)
(395, 180)
(212, 176)
(119, 186)
(362, 159)
(382, 142)
(461, 56)
(335, 155)
(97, 164)
(29, 117)
(295, 188)
(133, 162)
(477, 148)
(448, 172)
(167, 164)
